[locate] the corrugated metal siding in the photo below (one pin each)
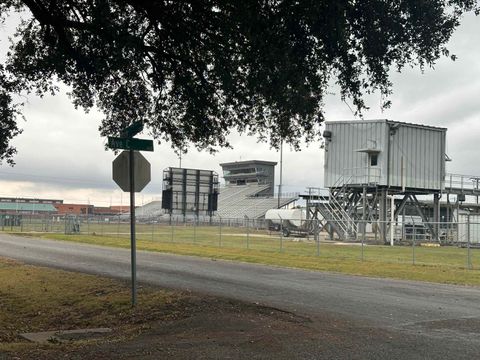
(422, 151)
(341, 155)
(420, 148)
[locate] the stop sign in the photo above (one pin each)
(141, 170)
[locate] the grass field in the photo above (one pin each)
(435, 264)
(40, 299)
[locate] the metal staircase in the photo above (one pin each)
(335, 214)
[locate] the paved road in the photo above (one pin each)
(444, 319)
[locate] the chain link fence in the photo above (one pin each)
(418, 243)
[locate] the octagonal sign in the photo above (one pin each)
(141, 169)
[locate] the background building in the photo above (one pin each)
(249, 190)
(250, 172)
(74, 209)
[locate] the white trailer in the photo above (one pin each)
(289, 221)
(468, 227)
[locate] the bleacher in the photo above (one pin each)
(150, 210)
(238, 202)
(234, 202)
(248, 193)
(229, 193)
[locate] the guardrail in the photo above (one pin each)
(362, 175)
(467, 183)
(287, 195)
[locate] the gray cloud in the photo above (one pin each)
(62, 154)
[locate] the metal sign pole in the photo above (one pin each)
(128, 142)
(132, 228)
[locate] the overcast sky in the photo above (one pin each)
(61, 155)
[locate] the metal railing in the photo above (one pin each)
(363, 175)
(287, 195)
(467, 183)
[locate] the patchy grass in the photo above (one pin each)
(39, 299)
(440, 264)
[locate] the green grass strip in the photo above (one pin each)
(440, 265)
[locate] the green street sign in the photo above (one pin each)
(132, 130)
(130, 144)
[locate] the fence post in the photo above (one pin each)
(317, 236)
(248, 233)
(195, 230)
(118, 226)
(413, 243)
(469, 264)
(363, 238)
(458, 223)
(220, 234)
(308, 230)
(392, 219)
(171, 240)
(281, 234)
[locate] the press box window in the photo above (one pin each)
(373, 159)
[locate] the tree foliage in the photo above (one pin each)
(195, 70)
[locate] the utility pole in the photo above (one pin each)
(281, 173)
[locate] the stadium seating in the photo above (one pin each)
(234, 202)
(238, 202)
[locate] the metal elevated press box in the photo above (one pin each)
(384, 153)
